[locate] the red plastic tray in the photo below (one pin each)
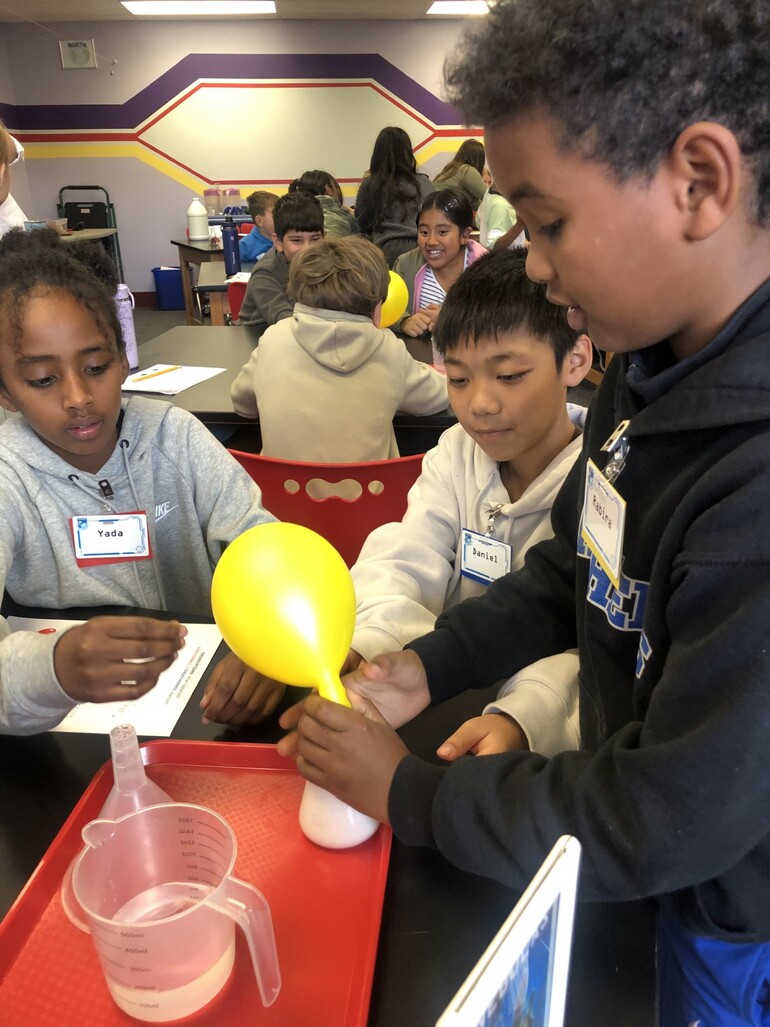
(326, 905)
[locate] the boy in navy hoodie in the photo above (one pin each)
(634, 143)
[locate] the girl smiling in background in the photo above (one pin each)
(444, 250)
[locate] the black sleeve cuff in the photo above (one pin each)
(410, 802)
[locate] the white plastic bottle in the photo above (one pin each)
(124, 303)
(197, 221)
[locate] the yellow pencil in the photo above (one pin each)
(154, 374)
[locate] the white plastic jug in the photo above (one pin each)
(161, 904)
(197, 221)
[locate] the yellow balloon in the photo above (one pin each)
(283, 599)
(396, 302)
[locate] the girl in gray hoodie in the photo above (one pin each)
(106, 501)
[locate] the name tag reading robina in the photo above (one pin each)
(483, 558)
(604, 517)
(111, 538)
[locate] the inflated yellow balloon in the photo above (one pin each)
(283, 599)
(394, 307)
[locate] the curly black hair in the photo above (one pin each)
(624, 79)
(36, 263)
(494, 297)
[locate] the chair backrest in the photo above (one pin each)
(235, 293)
(245, 228)
(288, 489)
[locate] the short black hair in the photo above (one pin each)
(494, 297)
(30, 265)
(623, 80)
(297, 212)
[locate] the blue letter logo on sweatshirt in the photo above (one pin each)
(645, 652)
(623, 607)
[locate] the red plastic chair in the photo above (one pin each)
(344, 522)
(235, 293)
(245, 228)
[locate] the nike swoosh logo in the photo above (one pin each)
(166, 513)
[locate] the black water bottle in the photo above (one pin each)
(230, 247)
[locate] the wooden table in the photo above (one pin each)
(197, 253)
(212, 280)
(88, 234)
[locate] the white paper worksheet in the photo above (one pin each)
(168, 379)
(154, 713)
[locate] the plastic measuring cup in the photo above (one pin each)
(161, 904)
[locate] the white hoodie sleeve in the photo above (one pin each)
(405, 568)
(543, 700)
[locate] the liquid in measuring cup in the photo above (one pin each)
(159, 1006)
(154, 904)
(163, 919)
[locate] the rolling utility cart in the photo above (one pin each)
(92, 219)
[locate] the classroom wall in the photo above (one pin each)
(174, 107)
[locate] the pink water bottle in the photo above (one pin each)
(124, 303)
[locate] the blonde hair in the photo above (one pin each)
(339, 273)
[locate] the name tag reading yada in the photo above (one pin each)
(482, 558)
(604, 517)
(111, 538)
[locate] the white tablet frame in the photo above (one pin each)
(555, 883)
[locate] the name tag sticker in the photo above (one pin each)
(604, 517)
(110, 538)
(482, 558)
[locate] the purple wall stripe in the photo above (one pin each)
(234, 66)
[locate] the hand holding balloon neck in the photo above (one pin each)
(330, 687)
(284, 601)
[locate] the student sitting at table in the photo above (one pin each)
(327, 381)
(298, 221)
(464, 172)
(338, 219)
(260, 239)
(488, 486)
(444, 250)
(81, 467)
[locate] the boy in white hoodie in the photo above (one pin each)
(485, 492)
(327, 381)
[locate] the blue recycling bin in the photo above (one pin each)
(168, 286)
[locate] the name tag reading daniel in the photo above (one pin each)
(483, 558)
(112, 538)
(604, 517)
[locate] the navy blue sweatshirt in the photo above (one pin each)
(670, 795)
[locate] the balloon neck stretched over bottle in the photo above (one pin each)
(330, 687)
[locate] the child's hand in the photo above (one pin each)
(417, 324)
(111, 659)
(484, 735)
(351, 753)
(235, 694)
(395, 682)
(353, 662)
